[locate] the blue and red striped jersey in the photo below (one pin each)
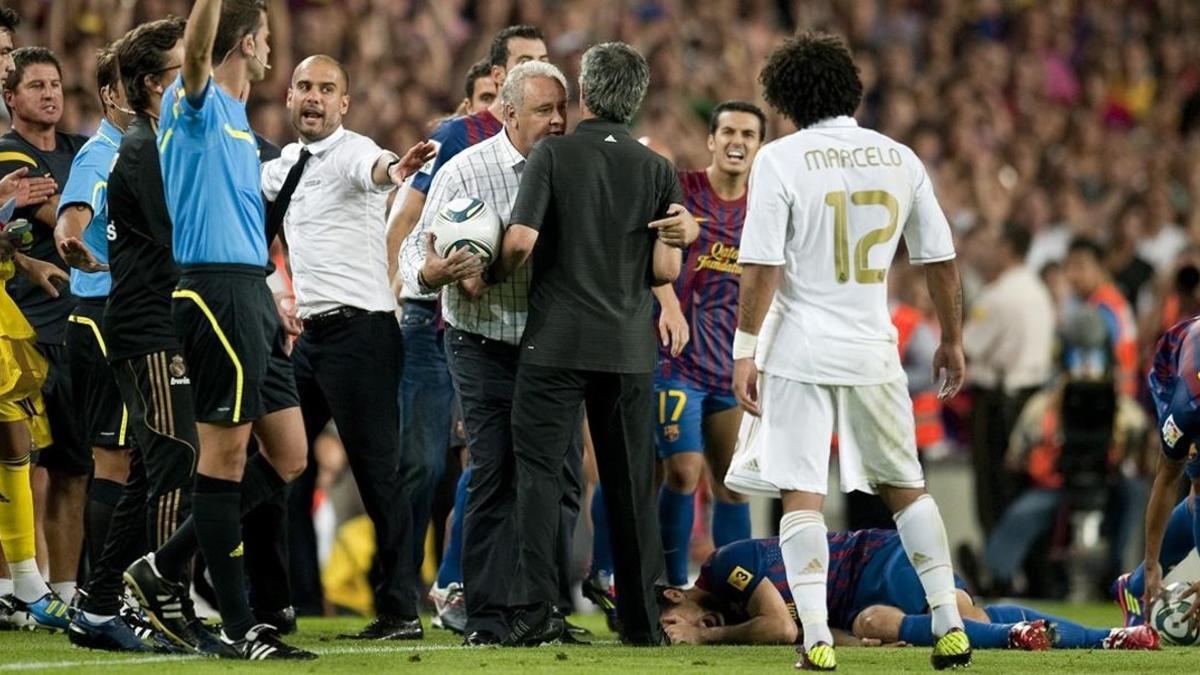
(733, 571)
(708, 288)
(1177, 358)
(452, 137)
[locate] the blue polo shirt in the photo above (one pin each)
(210, 169)
(88, 184)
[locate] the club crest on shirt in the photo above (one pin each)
(1171, 433)
(671, 433)
(740, 578)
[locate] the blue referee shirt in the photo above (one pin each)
(210, 171)
(88, 184)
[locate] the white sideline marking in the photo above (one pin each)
(323, 651)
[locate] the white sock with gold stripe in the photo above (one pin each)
(806, 558)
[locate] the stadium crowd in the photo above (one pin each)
(1061, 139)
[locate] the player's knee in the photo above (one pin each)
(290, 466)
(682, 476)
(868, 623)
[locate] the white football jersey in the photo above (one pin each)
(829, 203)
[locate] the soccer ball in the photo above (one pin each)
(1167, 616)
(468, 223)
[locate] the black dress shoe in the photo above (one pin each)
(284, 620)
(531, 629)
(389, 627)
(482, 638)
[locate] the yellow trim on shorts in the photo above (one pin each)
(237, 364)
(85, 321)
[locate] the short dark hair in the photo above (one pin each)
(498, 52)
(1087, 245)
(28, 56)
(142, 52)
(811, 77)
(239, 18)
(479, 70)
(107, 71)
(738, 106)
(9, 19)
(1018, 239)
(613, 78)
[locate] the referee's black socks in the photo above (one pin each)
(216, 512)
(103, 495)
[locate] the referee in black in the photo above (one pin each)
(586, 200)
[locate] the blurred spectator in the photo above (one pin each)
(1008, 339)
(1093, 286)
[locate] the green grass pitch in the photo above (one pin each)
(440, 653)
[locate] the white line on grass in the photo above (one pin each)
(323, 651)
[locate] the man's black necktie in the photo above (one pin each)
(280, 206)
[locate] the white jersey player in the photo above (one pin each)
(827, 207)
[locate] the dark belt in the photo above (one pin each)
(333, 316)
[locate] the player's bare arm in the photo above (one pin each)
(672, 324)
(666, 263)
(198, 40)
(400, 225)
(946, 291)
(1163, 496)
(68, 239)
(770, 622)
(758, 286)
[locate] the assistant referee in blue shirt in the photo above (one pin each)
(224, 313)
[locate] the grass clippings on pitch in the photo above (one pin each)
(440, 653)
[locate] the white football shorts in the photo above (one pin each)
(788, 448)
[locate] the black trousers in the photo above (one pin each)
(484, 373)
(992, 421)
(350, 370)
(620, 413)
(157, 497)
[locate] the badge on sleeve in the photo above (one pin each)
(1171, 432)
(740, 578)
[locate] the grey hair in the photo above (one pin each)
(613, 79)
(513, 91)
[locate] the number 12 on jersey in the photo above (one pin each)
(863, 272)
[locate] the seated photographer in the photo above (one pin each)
(1036, 446)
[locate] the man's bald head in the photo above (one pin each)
(327, 61)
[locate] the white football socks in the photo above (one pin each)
(65, 590)
(28, 584)
(6, 587)
(924, 537)
(806, 558)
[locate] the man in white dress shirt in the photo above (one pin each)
(348, 358)
(484, 331)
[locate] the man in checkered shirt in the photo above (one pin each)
(483, 333)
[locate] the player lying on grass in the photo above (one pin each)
(1170, 534)
(874, 596)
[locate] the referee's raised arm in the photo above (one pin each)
(198, 40)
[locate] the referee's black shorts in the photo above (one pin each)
(103, 417)
(234, 345)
